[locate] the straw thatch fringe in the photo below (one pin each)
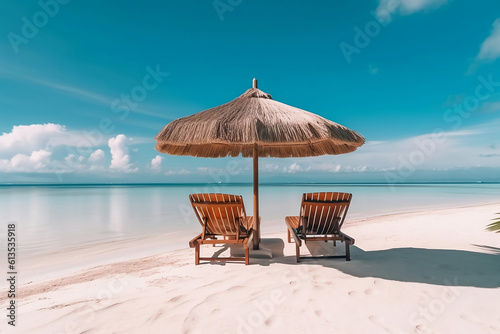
(233, 128)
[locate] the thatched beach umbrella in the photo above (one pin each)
(254, 125)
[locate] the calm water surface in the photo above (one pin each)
(49, 218)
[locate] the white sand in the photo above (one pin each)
(422, 272)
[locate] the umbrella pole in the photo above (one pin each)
(256, 236)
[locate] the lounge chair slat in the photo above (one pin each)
(321, 217)
(329, 218)
(223, 214)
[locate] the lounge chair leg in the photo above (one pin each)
(246, 256)
(197, 254)
(297, 252)
(289, 239)
(347, 253)
(334, 243)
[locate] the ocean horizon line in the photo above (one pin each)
(166, 184)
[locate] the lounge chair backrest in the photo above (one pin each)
(323, 213)
(223, 214)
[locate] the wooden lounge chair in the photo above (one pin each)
(224, 221)
(321, 218)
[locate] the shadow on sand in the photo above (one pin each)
(419, 265)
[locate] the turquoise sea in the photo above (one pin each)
(52, 217)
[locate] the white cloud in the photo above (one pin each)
(405, 7)
(37, 161)
(96, 156)
(490, 48)
(34, 137)
(211, 171)
(325, 164)
(462, 148)
(120, 159)
(30, 137)
(72, 163)
(71, 159)
(271, 167)
(179, 172)
(295, 168)
(412, 6)
(328, 167)
(461, 133)
(51, 148)
(360, 169)
(32, 148)
(156, 163)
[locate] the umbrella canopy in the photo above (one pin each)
(255, 125)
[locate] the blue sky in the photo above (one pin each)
(85, 86)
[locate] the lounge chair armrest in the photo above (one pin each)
(249, 241)
(348, 239)
(293, 232)
(248, 221)
(193, 242)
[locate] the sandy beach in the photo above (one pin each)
(418, 272)
(132, 131)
